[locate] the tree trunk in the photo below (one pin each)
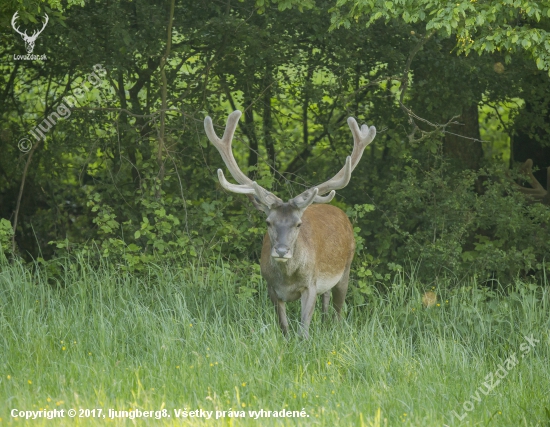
(250, 131)
(124, 134)
(267, 119)
(467, 153)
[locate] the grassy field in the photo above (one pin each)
(177, 339)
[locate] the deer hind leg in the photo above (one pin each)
(326, 301)
(308, 299)
(339, 292)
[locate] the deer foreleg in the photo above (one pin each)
(308, 305)
(281, 314)
(280, 309)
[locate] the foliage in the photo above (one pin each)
(505, 26)
(130, 176)
(96, 337)
(433, 217)
(6, 235)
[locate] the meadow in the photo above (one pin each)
(177, 338)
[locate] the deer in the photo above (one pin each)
(29, 40)
(309, 245)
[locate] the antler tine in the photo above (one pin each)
(240, 189)
(361, 138)
(37, 32)
(224, 145)
(13, 19)
(325, 199)
(247, 186)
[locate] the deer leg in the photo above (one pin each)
(308, 305)
(339, 292)
(280, 309)
(281, 313)
(326, 300)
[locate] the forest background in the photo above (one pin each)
(458, 91)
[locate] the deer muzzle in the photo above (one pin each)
(281, 253)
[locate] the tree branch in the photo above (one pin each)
(438, 128)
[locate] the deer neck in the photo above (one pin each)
(299, 259)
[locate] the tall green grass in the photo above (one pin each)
(178, 337)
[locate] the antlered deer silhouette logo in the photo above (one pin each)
(29, 40)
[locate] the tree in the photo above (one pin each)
(131, 173)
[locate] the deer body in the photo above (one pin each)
(309, 246)
(322, 257)
(324, 249)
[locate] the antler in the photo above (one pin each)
(247, 186)
(36, 33)
(13, 19)
(537, 192)
(361, 138)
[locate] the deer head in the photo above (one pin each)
(29, 40)
(284, 219)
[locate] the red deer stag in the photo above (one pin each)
(309, 246)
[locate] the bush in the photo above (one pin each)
(438, 221)
(6, 234)
(455, 223)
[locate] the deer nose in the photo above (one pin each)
(281, 250)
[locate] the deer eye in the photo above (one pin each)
(298, 225)
(268, 223)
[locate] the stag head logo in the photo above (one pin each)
(29, 40)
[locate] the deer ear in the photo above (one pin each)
(305, 199)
